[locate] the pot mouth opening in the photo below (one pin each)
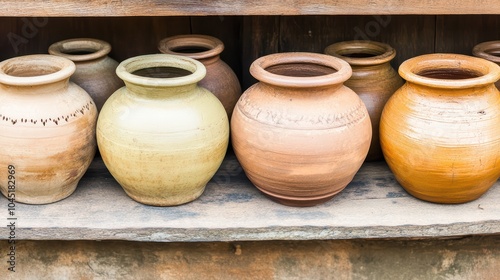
(194, 46)
(488, 50)
(161, 70)
(449, 74)
(362, 52)
(80, 49)
(35, 70)
(300, 70)
(453, 71)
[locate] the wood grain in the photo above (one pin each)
(112, 8)
(372, 206)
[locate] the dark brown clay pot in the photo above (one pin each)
(373, 79)
(489, 51)
(440, 132)
(299, 133)
(220, 78)
(95, 70)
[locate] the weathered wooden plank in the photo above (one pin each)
(127, 35)
(231, 209)
(260, 37)
(459, 34)
(243, 7)
(408, 35)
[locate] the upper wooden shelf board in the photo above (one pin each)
(231, 209)
(110, 8)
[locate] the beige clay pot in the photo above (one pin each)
(47, 128)
(95, 70)
(440, 132)
(162, 136)
(373, 79)
(220, 78)
(299, 133)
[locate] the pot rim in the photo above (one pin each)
(101, 48)
(214, 45)
(65, 67)
(482, 50)
(382, 52)
(128, 66)
(409, 69)
(258, 69)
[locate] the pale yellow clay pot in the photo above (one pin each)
(95, 70)
(162, 136)
(440, 132)
(47, 128)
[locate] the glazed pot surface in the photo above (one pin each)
(440, 131)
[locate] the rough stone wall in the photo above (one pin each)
(465, 258)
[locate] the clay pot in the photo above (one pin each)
(440, 132)
(47, 129)
(162, 136)
(373, 79)
(220, 78)
(299, 133)
(95, 70)
(489, 51)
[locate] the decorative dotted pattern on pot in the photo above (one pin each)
(56, 121)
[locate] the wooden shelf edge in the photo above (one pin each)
(373, 205)
(105, 8)
(263, 234)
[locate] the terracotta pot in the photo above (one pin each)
(220, 78)
(440, 132)
(95, 70)
(489, 51)
(299, 133)
(373, 79)
(47, 128)
(162, 136)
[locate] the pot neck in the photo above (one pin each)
(450, 72)
(206, 49)
(46, 73)
(182, 75)
(81, 50)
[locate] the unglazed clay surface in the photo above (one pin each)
(162, 139)
(373, 79)
(299, 134)
(47, 128)
(220, 78)
(95, 70)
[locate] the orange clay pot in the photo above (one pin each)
(299, 133)
(47, 129)
(489, 51)
(95, 70)
(373, 79)
(220, 78)
(440, 132)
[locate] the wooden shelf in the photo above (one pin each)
(107, 8)
(231, 209)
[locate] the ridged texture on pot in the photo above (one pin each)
(162, 139)
(490, 51)
(95, 70)
(373, 79)
(220, 78)
(47, 128)
(300, 139)
(441, 137)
